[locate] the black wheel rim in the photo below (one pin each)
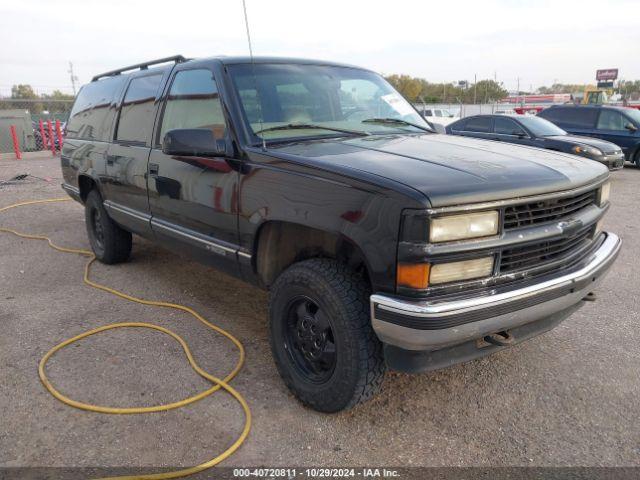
(309, 340)
(96, 226)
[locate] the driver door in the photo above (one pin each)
(193, 200)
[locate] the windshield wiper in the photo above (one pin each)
(309, 126)
(397, 121)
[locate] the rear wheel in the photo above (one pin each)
(109, 242)
(321, 335)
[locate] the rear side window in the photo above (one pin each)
(193, 102)
(137, 112)
(459, 126)
(572, 116)
(94, 109)
(478, 124)
(611, 120)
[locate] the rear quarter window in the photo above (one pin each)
(478, 124)
(572, 116)
(94, 110)
(138, 110)
(459, 125)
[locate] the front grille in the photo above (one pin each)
(518, 258)
(534, 213)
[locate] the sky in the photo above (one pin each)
(537, 42)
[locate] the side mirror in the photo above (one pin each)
(192, 142)
(519, 134)
(631, 127)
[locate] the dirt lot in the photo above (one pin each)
(570, 397)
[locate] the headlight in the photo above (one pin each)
(460, 227)
(458, 271)
(603, 195)
(585, 150)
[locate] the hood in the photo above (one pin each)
(606, 147)
(451, 170)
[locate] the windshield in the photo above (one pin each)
(634, 114)
(305, 98)
(539, 126)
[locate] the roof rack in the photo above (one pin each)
(141, 66)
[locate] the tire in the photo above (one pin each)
(636, 158)
(110, 243)
(335, 361)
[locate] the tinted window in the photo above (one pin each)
(459, 126)
(572, 116)
(93, 111)
(193, 102)
(611, 120)
(506, 126)
(550, 114)
(478, 124)
(137, 112)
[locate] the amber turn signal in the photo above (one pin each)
(413, 275)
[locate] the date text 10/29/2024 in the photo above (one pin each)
(313, 473)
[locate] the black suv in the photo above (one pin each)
(618, 125)
(537, 132)
(380, 242)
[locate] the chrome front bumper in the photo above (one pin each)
(433, 325)
(613, 161)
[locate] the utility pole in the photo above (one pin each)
(518, 92)
(475, 87)
(74, 79)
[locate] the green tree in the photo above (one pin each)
(25, 92)
(420, 90)
(57, 102)
(408, 86)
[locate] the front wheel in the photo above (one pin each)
(321, 335)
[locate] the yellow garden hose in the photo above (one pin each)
(216, 382)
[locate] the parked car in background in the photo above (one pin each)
(537, 132)
(440, 116)
(619, 125)
(45, 144)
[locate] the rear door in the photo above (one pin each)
(612, 127)
(126, 166)
(193, 200)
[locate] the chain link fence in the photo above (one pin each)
(32, 125)
(465, 109)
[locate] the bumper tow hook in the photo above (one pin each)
(500, 338)
(590, 297)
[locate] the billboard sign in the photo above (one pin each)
(608, 84)
(606, 74)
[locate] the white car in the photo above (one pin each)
(440, 116)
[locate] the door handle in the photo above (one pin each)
(154, 168)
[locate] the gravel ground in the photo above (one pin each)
(567, 398)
